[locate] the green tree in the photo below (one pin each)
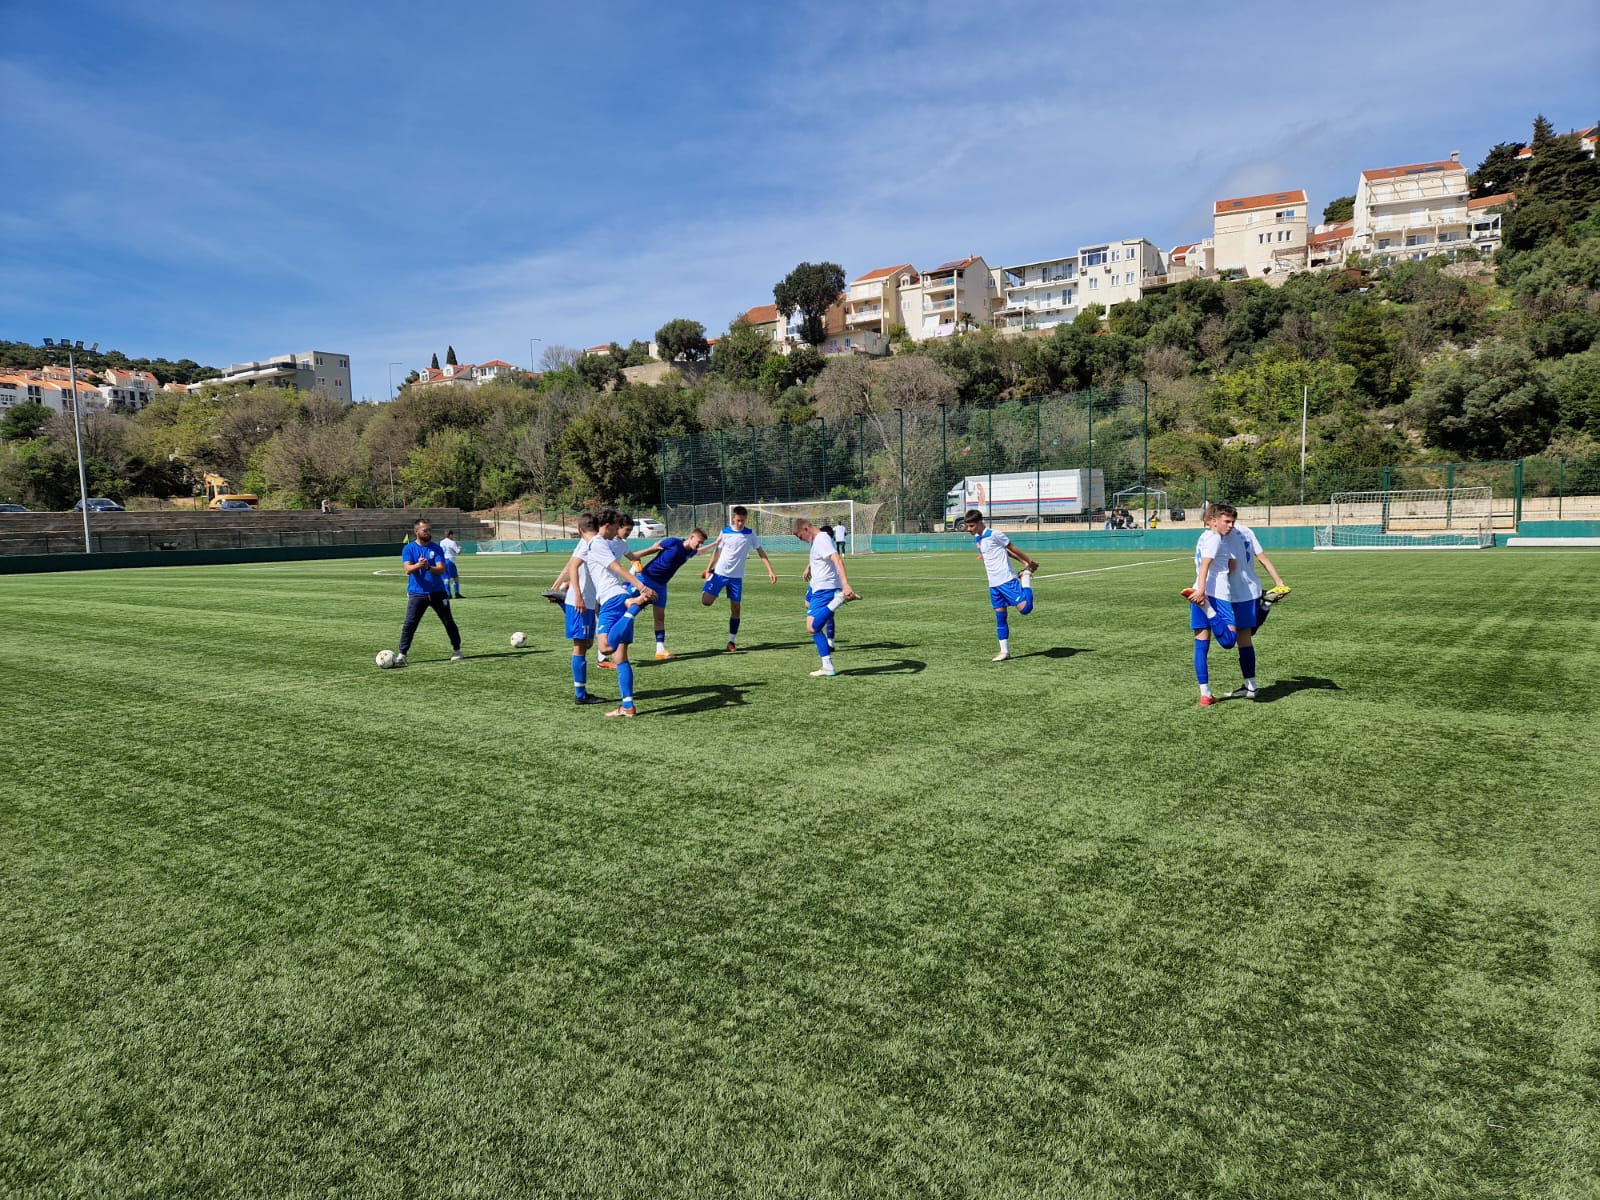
(450, 356)
(1500, 171)
(1342, 208)
(443, 470)
(23, 422)
(1493, 404)
(682, 338)
(1361, 340)
(602, 371)
(740, 353)
(435, 361)
(810, 289)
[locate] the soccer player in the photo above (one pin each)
(425, 589)
(830, 589)
(1264, 599)
(619, 599)
(619, 547)
(726, 569)
(1005, 589)
(670, 554)
(581, 609)
(1218, 608)
(451, 548)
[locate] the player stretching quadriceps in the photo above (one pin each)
(1006, 590)
(829, 589)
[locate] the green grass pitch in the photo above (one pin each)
(279, 924)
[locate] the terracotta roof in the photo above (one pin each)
(1179, 253)
(1492, 201)
(499, 362)
(1265, 200)
(884, 273)
(1413, 169)
(955, 264)
(762, 314)
(1337, 233)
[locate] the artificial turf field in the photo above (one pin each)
(280, 924)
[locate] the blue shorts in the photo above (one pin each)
(580, 625)
(817, 604)
(616, 622)
(716, 583)
(1007, 594)
(1240, 614)
(660, 589)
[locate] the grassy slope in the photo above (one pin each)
(282, 924)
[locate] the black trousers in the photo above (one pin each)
(416, 606)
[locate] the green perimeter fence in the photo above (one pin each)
(906, 461)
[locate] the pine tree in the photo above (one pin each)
(1543, 131)
(436, 361)
(450, 355)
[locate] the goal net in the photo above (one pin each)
(774, 522)
(1428, 519)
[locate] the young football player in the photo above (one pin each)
(829, 589)
(1214, 613)
(729, 554)
(619, 599)
(1006, 590)
(580, 609)
(669, 554)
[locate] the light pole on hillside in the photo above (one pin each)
(533, 367)
(392, 366)
(74, 349)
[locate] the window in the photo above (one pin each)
(1286, 215)
(1094, 258)
(1116, 255)
(1094, 284)
(1261, 239)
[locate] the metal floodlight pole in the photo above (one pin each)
(77, 432)
(392, 366)
(1305, 403)
(533, 367)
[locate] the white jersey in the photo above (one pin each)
(1246, 583)
(992, 549)
(582, 580)
(1221, 551)
(823, 576)
(451, 548)
(597, 560)
(734, 548)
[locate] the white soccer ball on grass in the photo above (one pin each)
(385, 659)
(519, 640)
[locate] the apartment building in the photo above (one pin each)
(878, 301)
(955, 295)
(312, 371)
(1414, 211)
(1191, 261)
(36, 387)
(1038, 295)
(127, 390)
(1257, 236)
(1325, 247)
(1484, 215)
(1111, 272)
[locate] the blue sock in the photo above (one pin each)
(820, 639)
(1247, 661)
(1202, 672)
(831, 629)
(661, 636)
(733, 628)
(625, 682)
(580, 675)
(1002, 627)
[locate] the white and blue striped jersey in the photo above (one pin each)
(734, 548)
(992, 545)
(824, 578)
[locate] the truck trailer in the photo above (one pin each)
(1027, 496)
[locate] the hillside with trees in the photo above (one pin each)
(1418, 362)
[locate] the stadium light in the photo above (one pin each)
(77, 424)
(533, 368)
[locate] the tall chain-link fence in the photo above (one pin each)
(913, 462)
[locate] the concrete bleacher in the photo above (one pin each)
(189, 529)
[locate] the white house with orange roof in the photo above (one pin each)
(39, 387)
(1485, 214)
(878, 301)
(1190, 261)
(495, 368)
(125, 390)
(1258, 236)
(1325, 247)
(1414, 211)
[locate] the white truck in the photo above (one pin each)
(1019, 496)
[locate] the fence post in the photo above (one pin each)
(989, 466)
(944, 468)
(1091, 461)
(788, 462)
(1038, 462)
(1144, 436)
(1561, 484)
(900, 502)
(755, 497)
(1516, 516)
(661, 452)
(824, 452)
(861, 450)
(722, 467)
(1269, 497)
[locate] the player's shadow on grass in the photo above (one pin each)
(904, 666)
(1055, 652)
(646, 656)
(524, 653)
(853, 647)
(1282, 688)
(706, 698)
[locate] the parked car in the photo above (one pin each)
(4, 508)
(99, 504)
(234, 506)
(648, 527)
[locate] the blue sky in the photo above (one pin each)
(225, 181)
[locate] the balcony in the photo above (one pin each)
(938, 305)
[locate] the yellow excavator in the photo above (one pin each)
(220, 494)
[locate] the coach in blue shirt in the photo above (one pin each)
(426, 588)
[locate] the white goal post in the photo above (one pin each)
(775, 521)
(1423, 519)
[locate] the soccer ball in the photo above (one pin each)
(385, 659)
(519, 640)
